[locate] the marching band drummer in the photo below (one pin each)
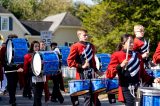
(46, 89)
(1, 68)
(37, 81)
(82, 58)
(130, 69)
(57, 79)
(141, 45)
(13, 74)
(156, 56)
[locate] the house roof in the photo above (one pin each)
(3, 10)
(34, 27)
(63, 19)
(70, 20)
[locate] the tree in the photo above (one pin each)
(36, 9)
(109, 19)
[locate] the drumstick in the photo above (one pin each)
(85, 55)
(10, 71)
(127, 50)
(148, 45)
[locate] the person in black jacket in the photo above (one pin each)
(57, 78)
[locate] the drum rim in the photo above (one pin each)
(98, 63)
(151, 94)
(12, 41)
(9, 41)
(75, 93)
(150, 91)
(79, 80)
(99, 79)
(100, 90)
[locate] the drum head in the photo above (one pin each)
(9, 51)
(36, 64)
(97, 62)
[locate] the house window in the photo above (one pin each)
(5, 23)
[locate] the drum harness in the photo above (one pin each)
(135, 87)
(132, 89)
(133, 68)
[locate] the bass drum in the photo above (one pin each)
(102, 61)
(16, 49)
(45, 62)
(65, 50)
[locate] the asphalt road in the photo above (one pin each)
(29, 102)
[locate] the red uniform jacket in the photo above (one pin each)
(137, 44)
(74, 60)
(3, 63)
(156, 56)
(27, 62)
(1, 72)
(116, 59)
(141, 45)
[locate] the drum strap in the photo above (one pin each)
(132, 88)
(11, 71)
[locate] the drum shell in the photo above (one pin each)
(104, 60)
(156, 73)
(149, 71)
(151, 96)
(112, 86)
(50, 63)
(78, 87)
(65, 50)
(99, 85)
(153, 72)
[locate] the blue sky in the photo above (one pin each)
(90, 2)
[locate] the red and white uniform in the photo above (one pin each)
(132, 74)
(140, 45)
(156, 56)
(10, 68)
(79, 52)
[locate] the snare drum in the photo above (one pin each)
(102, 61)
(65, 50)
(149, 71)
(151, 96)
(156, 72)
(78, 87)
(47, 61)
(16, 49)
(98, 85)
(112, 86)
